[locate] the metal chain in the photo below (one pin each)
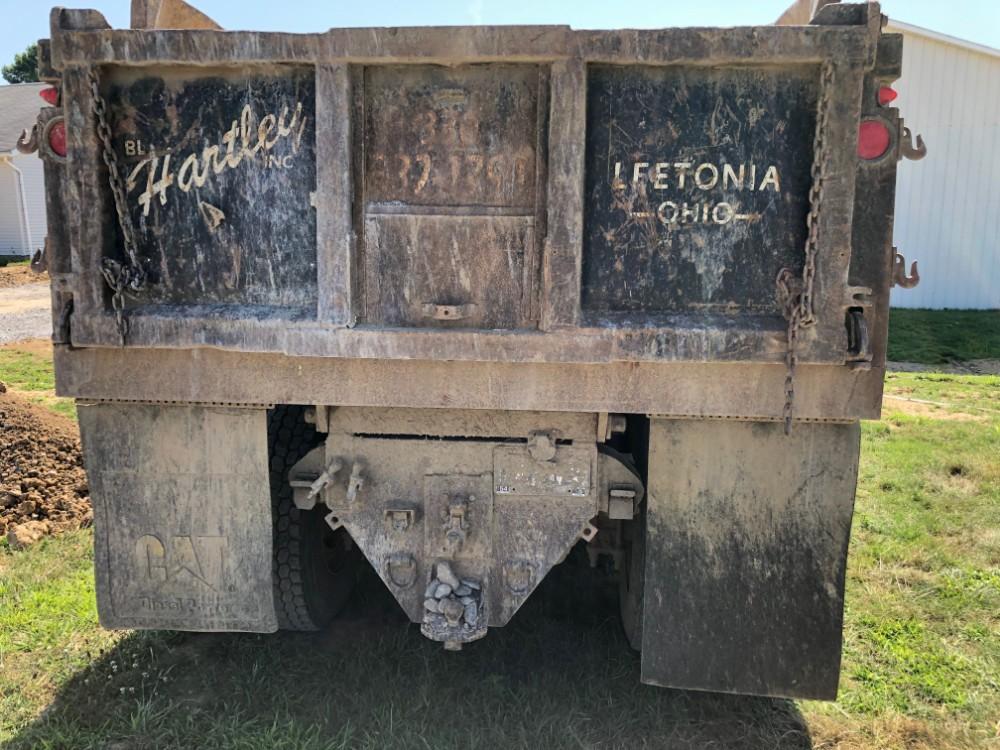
(795, 296)
(129, 276)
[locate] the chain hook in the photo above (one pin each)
(795, 295)
(130, 276)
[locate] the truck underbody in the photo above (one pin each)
(449, 302)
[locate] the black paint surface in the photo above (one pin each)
(745, 556)
(264, 251)
(759, 115)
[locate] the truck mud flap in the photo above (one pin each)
(182, 516)
(746, 546)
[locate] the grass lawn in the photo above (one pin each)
(921, 658)
(937, 337)
(27, 368)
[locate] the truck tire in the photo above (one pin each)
(313, 568)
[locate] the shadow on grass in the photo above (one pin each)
(560, 675)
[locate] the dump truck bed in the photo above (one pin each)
(486, 208)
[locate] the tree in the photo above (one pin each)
(24, 69)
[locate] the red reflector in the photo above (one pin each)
(57, 138)
(873, 139)
(51, 95)
(886, 95)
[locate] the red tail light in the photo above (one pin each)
(873, 139)
(886, 95)
(57, 138)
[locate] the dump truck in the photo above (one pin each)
(450, 302)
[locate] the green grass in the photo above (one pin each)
(921, 656)
(26, 370)
(29, 371)
(923, 608)
(936, 337)
(48, 629)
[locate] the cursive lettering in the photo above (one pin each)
(243, 140)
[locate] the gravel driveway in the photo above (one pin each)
(25, 313)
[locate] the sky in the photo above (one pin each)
(23, 22)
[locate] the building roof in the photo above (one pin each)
(19, 105)
(937, 36)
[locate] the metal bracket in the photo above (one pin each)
(588, 532)
(333, 520)
(40, 260)
(28, 143)
(859, 296)
(907, 148)
(621, 503)
(859, 351)
(399, 519)
(899, 277)
(456, 523)
(542, 446)
(401, 569)
(313, 485)
(356, 482)
(61, 331)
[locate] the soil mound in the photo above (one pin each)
(43, 486)
(20, 274)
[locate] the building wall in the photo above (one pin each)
(948, 204)
(12, 233)
(34, 187)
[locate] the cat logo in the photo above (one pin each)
(186, 559)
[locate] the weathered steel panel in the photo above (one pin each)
(449, 185)
(466, 271)
(697, 185)
(220, 169)
(451, 136)
(712, 390)
(182, 516)
(746, 547)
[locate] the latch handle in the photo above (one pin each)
(859, 351)
(448, 312)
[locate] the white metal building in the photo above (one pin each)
(22, 188)
(948, 204)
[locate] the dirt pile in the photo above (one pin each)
(43, 486)
(20, 274)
